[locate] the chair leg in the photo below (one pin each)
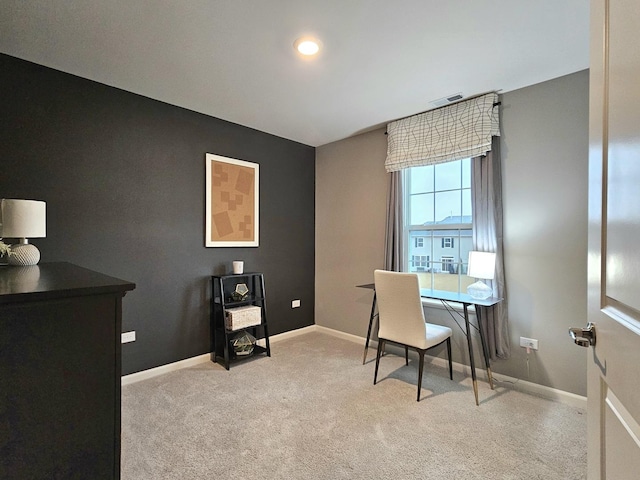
(420, 368)
(406, 355)
(379, 352)
(450, 360)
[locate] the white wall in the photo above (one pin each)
(544, 154)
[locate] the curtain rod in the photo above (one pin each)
(443, 106)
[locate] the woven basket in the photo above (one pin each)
(242, 317)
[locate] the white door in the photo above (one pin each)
(614, 241)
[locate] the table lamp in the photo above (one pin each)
(23, 219)
(482, 265)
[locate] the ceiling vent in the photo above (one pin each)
(447, 100)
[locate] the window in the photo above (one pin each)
(438, 224)
(447, 242)
(419, 263)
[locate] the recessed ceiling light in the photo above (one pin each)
(307, 46)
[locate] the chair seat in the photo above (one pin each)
(436, 334)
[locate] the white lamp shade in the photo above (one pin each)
(482, 265)
(23, 218)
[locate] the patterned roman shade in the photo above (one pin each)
(461, 130)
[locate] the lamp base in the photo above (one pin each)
(479, 290)
(23, 254)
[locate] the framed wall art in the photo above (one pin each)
(232, 202)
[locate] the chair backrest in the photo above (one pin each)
(401, 317)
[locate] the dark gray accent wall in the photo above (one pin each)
(124, 181)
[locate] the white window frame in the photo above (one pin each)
(461, 263)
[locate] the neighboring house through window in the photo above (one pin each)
(438, 224)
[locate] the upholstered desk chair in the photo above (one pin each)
(401, 319)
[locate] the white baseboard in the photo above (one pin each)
(169, 367)
(286, 335)
(344, 335)
(506, 381)
(501, 380)
(204, 358)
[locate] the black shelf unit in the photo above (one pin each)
(222, 286)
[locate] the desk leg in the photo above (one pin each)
(371, 317)
(485, 350)
(471, 360)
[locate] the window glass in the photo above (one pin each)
(421, 208)
(438, 226)
(466, 203)
(448, 206)
(422, 179)
(466, 173)
(448, 175)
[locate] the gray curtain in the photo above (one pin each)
(393, 242)
(486, 198)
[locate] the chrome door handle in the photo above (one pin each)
(584, 337)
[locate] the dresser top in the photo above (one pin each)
(55, 280)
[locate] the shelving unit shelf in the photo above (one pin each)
(222, 288)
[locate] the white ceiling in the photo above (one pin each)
(234, 59)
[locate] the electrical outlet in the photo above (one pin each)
(129, 336)
(295, 303)
(531, 343)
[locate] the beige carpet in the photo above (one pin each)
(311, 411)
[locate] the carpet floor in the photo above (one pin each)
(311, 411)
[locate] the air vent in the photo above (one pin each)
(454, 97)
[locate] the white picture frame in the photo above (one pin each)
(232, 204)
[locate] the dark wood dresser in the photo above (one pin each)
(60, 369)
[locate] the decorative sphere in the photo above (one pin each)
(23, 255)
